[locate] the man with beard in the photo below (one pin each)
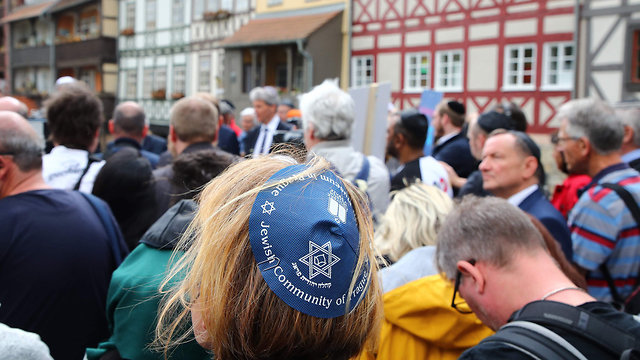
(405, 141)
(451, 145)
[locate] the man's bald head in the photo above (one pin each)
(8, 103)
(129, 120)
(18, 139)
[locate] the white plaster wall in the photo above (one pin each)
(601, 4)
(613, 50)
(482, 72)
(524, 27)
(609, 83)
(417, 38)
(388, 69)
(450, 35)
(362, 43)
(554, 24)
(389, 40)
(484, 31)
(555, 4)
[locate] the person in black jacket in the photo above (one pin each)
(451, 145)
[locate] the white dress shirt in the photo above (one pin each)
(265, 138)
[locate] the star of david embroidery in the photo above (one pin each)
(319, 259)
(267, 207)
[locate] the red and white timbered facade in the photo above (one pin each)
(479, 51)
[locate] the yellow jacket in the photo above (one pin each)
(419, 323)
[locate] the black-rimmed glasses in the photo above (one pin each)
(461, 306)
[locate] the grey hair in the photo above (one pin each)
(631, 118)
(131, 122)
(267, 94)
(329, 109)
(487, 229)
(26, 148)
(412, 220)
(595, 120)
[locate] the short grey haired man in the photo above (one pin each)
(590, 137)
(265, 102)
(500, 265)
(327, 116)
(631, 141)
(129, 128)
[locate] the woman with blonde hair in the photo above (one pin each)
(279, 265)
(419, 322)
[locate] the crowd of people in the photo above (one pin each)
(270, 237)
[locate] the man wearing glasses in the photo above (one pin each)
(500, 265)
(606, 241)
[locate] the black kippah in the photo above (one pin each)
(493, 120)
(456, 107)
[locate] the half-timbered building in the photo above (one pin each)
(479, 51)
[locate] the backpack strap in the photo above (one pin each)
(90, 160)
(632, 205)
(536, 341)
(578, 321)
(118, 247)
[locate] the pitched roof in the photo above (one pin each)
(280, 30)
(65, 4)
(26, 12)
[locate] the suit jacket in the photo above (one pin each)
(154, 144)
(228, 141)
(252, 136)
(114, 146)
(538, 206)
(457, 154)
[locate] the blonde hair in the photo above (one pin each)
(243, 318)
(412, 220)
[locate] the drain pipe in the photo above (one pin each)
(307, 56)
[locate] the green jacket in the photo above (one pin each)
(133, 299)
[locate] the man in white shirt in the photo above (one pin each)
(265, 102)
(327, 115)
(511, 170)
(74, 130)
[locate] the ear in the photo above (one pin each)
(399, 140)
(5, 166)
(628, 135)
(475, 275)
(530, 165)
(584, 146)
(172, 134)
(111, 126)
(145, 131)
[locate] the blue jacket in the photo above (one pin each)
(457, 154)
(228, 141)
(118, 144)
(538, 206)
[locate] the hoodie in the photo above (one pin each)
(419, 322)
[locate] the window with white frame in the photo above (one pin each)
(242, 5)
(226, 5)
(130, 16)
(361, 70)
(417, 71)
(559, 64)
(448, 76)
(150, 15)
(177, 12)
(179, 79)
(204, 73)
(147, 82)
(519, 62)
(131, 83)
(160, 78)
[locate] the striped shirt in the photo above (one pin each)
(604, 231)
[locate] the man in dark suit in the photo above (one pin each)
(154, 144)
(511, 170)
(451, 145)
(129, 128)
(265, 102)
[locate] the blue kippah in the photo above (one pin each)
(305, 239)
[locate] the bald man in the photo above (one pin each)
(53, 281)
(9, 103)
(129, 129)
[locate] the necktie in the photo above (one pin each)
(265, 147)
